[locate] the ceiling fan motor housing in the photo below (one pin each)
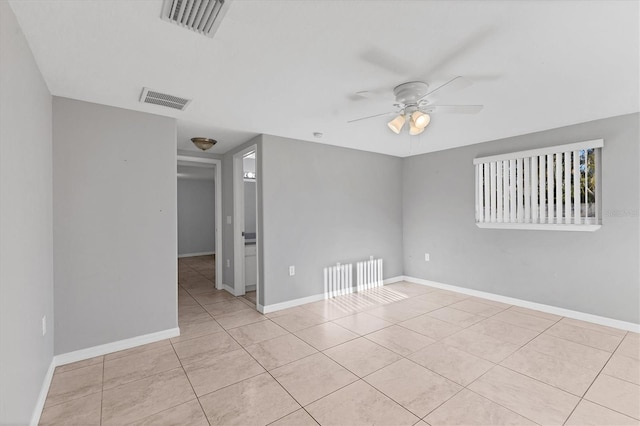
(410, 93)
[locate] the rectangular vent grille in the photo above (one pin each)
(149, 96)
(201, 16)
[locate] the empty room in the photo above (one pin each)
(319, 212)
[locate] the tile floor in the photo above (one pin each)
(404, 354)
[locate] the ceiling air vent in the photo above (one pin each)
(201, 16)
(149, 96)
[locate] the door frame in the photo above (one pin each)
(217, 164)
(238, 223)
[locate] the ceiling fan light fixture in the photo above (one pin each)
(413, 129)
(420, 119)
(397, 123)
(204, 143)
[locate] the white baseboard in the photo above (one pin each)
(120, 345)
(42, 397)
(393, 280)
(290, 303)
(229, 289)
(310, 299)
(204, 253)
(609, 322)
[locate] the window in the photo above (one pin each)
(554, 188)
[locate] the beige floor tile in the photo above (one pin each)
(400, 340)
(359, 404)
(326, 335)
(468, 408)
(190, 413)
(197, 329)
(532, 322)
(421, 305)
(455, 317)
(204, 286)
(79, 364)
(590, 414)
(412, 386)
(443, 297)
(585, 356)
(226, 307)
(585, 336)
(361, 356)
(530, 398)
(408, 289)
(454, 364)
(624, 368)
(240, 318)
(297, 321)
(504, 331)
(481, 345)
(380, 296)
(630, 346)
(595, 327)
(137, 366)
(257, 332)
(80, 411)
(362, 323)
(357, 302)
(329, 309)
(256, 401)
(142, 398)
(186, 302)
(138, 349)
(489, 302)
(192, 314)
(75, 384)
(297, 418)
(214, 296)
(562, 374)
(221, 370)
(295, 309)
(616, 394)
(395, 312)
(313, 377)
(202, 348)
(280, 351)
(533, 312)
(477, 308)
(430, 327)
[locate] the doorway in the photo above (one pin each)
(200, 218)
(245, 197)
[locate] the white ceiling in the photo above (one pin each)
(290, 68)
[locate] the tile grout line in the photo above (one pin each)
(594, 380)
(190, 384)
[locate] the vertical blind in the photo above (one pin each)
(557, 185)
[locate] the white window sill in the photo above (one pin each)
(539, 226)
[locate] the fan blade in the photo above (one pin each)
(373, 116)
(453, 109)
(455, 83)
(385, 60)
(458, 51)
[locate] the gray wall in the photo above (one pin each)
(250, 211)
(26, 247)
(115, 226)
(321, 205)
(196, 216)
(596, 273)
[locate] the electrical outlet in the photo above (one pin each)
(292, 271)
(44, 325)
(228, 263)
(426, 257)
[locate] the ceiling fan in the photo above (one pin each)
(413, 104)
